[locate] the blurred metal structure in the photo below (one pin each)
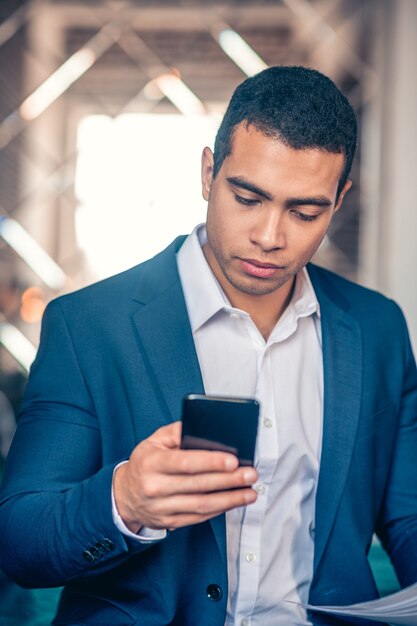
(60, 60)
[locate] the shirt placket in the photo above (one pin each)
(254, 515)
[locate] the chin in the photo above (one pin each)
(258, 287)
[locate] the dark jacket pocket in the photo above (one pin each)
(78, 609)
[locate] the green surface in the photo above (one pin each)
(26, 607)
(382, 569)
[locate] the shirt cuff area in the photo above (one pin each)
(144, 535)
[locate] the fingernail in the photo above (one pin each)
(230, 463)
(250, 496)
(249, 476)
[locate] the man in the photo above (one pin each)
(187, 537)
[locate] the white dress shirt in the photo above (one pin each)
(270, 543)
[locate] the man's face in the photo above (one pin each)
(269, 208)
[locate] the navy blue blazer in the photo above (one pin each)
(114, 362)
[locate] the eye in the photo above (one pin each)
(305, 217)
(246, 201)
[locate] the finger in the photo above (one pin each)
(217, 481)
(193, 462)
(214, 508)
(168, 436)
(167, 485)
(202, 506)
(180, 520)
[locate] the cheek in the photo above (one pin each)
(221, 222)
(216, 229)
(307, 242)
(318, 237)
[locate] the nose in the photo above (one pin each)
(269, 231)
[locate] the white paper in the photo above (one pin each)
(397, 608)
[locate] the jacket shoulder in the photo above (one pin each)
(361, 301)
(150, 276)
(109, 290)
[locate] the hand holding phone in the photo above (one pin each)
(164, 487)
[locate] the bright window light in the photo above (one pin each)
(138, 185)
(31, 252)
(57, 83)
(17, 344)
(179, 94)
(241, 52)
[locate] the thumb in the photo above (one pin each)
(168, 436)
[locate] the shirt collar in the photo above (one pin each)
(204, 296)
(304, 297)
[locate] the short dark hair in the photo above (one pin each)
(299, 106)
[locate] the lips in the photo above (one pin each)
(258, 268)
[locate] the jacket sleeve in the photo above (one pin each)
(397, 526)
(55, 501)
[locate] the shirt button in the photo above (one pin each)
(267, 422)
(234, 315)
(250, 557)
(245, 622)
(260, 489)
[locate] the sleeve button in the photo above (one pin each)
(89, 556)
(108, 544)
(95, 551)
(214, 592)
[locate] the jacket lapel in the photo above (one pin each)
(164, 332)
(166, 342)
(342, 363)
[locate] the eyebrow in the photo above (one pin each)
(309, 200)
(238, 181)
(319, 201)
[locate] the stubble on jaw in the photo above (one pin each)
(252, 286)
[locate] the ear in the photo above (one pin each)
(207, 162)
(347, 186)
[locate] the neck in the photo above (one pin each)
(265, 310)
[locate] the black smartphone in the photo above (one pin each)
(220, 423)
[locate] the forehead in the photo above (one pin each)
(268, 161)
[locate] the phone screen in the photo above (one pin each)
(221, 423)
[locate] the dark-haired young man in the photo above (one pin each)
(186, 537)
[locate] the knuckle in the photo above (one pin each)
(184, 463)
(150, 489)
(192, 483)
(145, 461)
(202, 507)
(167, 522)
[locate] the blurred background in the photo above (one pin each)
(105, 106)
